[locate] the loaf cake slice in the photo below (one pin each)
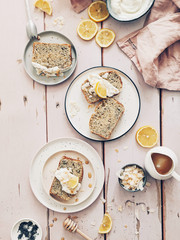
(106, 116)
(76, 168)
(112, 77)
(50, 59)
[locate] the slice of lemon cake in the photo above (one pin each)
(67, 180)
(111, 80)
(50, 59)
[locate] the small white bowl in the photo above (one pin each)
(129, 17)
(15, 233)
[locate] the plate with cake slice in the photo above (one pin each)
(63, 175)
(68, 177)
(102, 103)
(50, 59)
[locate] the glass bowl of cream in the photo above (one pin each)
(128, 10)
(132, 178)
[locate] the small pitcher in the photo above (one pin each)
(160, 162)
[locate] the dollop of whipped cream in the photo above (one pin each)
(93, 79)
(128, 8)
(65, 177)
(47, 71)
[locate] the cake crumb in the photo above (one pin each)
(64, 208)
(93, 223)
(125, 226)
(148, 184)
(129, 204)
(55, 219)
(103, 200)
(51, 225)
(74, 109)
(116, 150)
(119, 160)
(125, 147)
(19, 61)
(91, 106)
(62, 238)
(120, 208)
(59, 21)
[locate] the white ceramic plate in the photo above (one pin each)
(72, 147)
(89, 178)
(15, 229)
(79, 111)
(48, 37)
(126, 17)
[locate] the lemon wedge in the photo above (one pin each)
(97, 11)
(147, 136)
(87, 29)
(44, 6)
(106, 224)
(100, 90)
(105, 37)
(73, 182)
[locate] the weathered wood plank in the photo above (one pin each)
(170, 138)
(130, 211)
(23, 121)
(89, 55)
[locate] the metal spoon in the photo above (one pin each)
(31, 28)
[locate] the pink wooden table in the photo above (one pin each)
(32, 115)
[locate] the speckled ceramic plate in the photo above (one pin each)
(48, 37)
(47, 155)
(79, 111)
(87, 184)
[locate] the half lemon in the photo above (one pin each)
(87, 29)
(44, 6)
(147, 136)
(105, 37)
(97, 11)
(106, 224)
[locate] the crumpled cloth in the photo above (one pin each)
(79, 5)
(155, 49)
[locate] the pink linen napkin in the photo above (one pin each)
(155, 49)
(80, 5)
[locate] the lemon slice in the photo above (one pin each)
(73, 182)
(100, 90)
(87, 29)
(105, 37)
(97, 11)
(147, 136)
(44, 6)
(106, 224)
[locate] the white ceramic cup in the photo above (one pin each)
(149, 165)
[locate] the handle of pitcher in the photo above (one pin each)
(176, 176)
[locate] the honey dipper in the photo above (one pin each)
(71, 226)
